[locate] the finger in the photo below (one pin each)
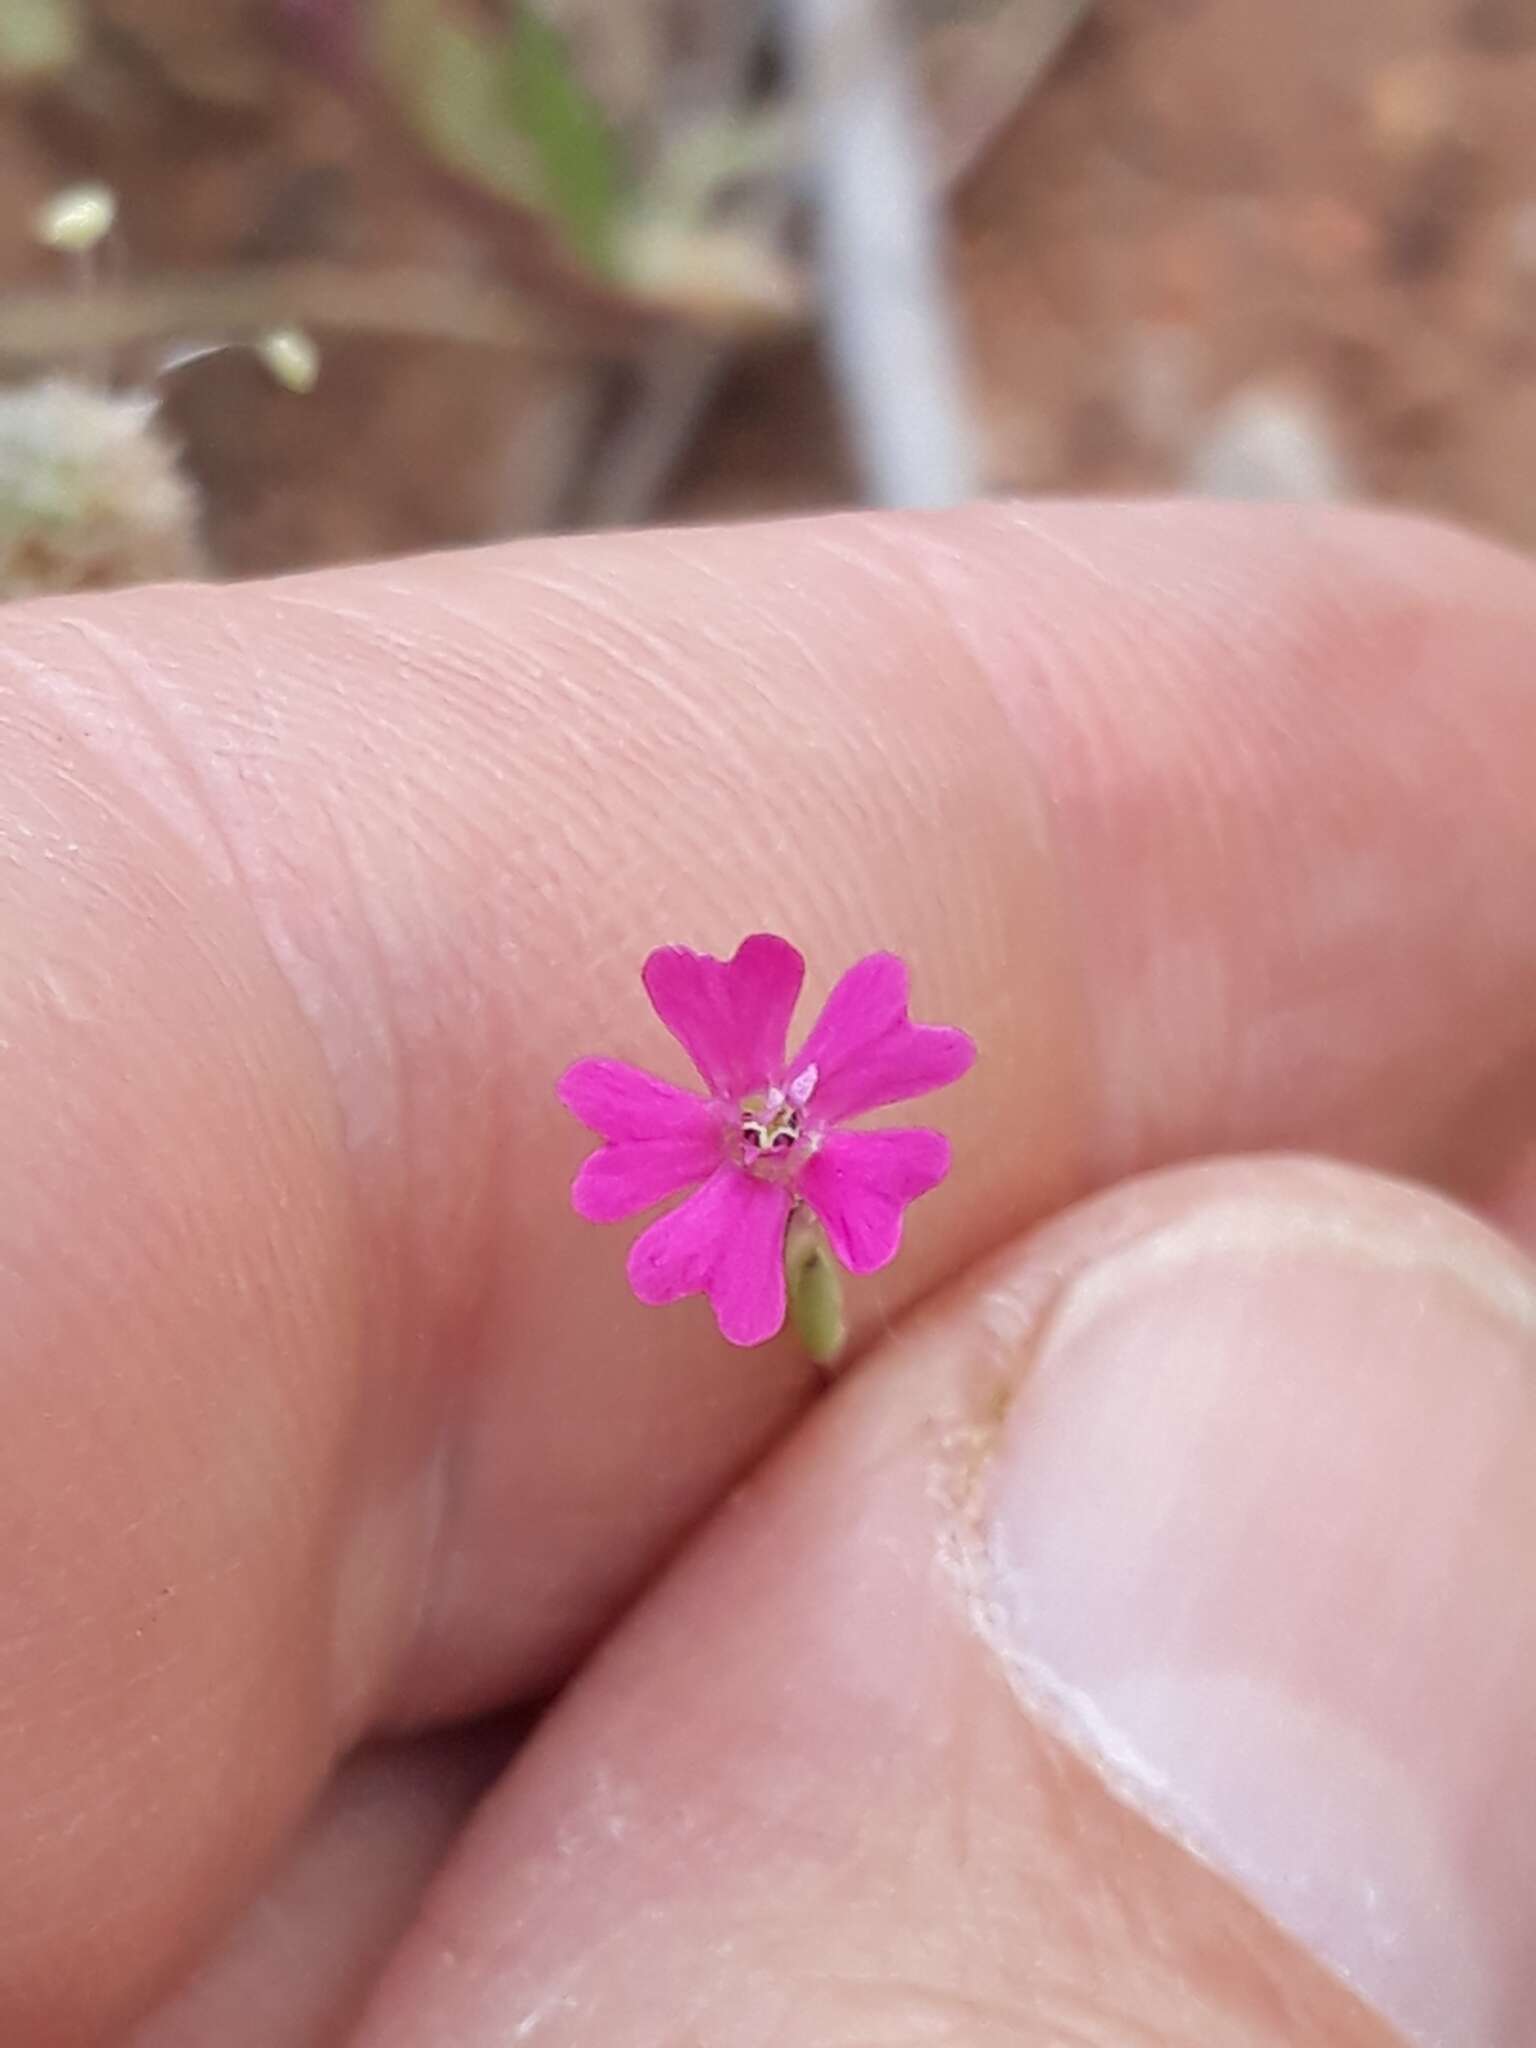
(297, 1966)
(1215, 831)
(1141, 1647)
(322, 1411)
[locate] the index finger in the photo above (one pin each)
(1214, 829)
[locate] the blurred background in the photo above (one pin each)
(285, 282)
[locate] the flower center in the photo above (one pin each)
(769, 1130)
(774, 1139)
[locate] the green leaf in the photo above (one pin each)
(39, 38)
(505, 110)
(445, 79)
(578, 161)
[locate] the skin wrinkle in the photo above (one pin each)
(911, 765)
(1187, 980)
(1034, 826)
(351, 1689)
(1042, 661)
(585, 622)
(762, 829)
(386, 1141)
(685, 829)
(171, 762)
(1016, 515)
(126, 1225)
(909, 2012)
(395, 1131)
(171, 766)
(581, 625)
(1225, 756)
(138, 886)
(45, 698)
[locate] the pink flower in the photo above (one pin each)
(769, 1133)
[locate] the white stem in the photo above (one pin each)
(887, 309)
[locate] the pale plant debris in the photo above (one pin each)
(77, 219)
(91, 492)
(666, 156)
(892, 339)
(39, 39)
(291, 357)
(415, 301)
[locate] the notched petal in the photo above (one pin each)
(860, 1183)
(867, 1052)
(619, 1101)
(732, 1016)
(725, 1241)
(624, 1179)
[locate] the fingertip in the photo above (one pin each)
(1257, 1539)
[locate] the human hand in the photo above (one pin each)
(1135, 1646)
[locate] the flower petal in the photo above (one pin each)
(726, 1241)
(620, 1101)
(866, 1050)
(621, 1180)
(729, 1016)
(859, 1182)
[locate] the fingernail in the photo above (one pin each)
(1262, 1542)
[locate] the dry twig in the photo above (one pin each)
(886, 304)
(421, 304)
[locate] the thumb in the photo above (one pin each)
(1141, 1649)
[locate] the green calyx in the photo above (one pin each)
(815, 1287)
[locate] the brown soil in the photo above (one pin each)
(1333, 205)
(1330, 205)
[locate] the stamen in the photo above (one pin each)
(773, 1129)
